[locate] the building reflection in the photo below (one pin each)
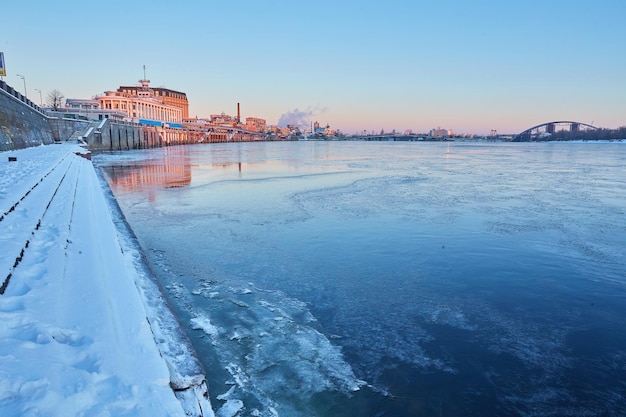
(171, 171)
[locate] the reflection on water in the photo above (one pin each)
(151, 170)
(163, 175)
(172, 170)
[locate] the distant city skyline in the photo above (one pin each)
(469, 67)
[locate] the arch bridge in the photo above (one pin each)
(545, 130)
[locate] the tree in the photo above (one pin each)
(55, 99)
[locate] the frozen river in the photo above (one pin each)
(391, 279)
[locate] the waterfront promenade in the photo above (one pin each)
(84, 332)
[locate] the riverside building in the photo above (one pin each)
(255, 124)
(167, 96)
(148, 106)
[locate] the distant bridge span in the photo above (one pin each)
(544, 130)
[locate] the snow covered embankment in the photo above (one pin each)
(75, 338)
(187, 376)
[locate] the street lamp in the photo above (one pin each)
(23, 79)
(40, 98)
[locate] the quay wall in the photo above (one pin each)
(22, 123)
(114, 136)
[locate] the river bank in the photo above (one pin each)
(86, 328)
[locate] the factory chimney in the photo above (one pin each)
(238, 114)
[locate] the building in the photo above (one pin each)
(223, 119)
(440, 133)
(89, 109)
(321, 131)
(167, 96)
(143, 105)
(255, 124)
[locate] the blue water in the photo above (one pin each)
(392, 279)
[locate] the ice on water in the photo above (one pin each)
(271, 346)
(400, 255)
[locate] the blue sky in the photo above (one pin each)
(356, 65)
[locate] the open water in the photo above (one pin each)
(391, 279)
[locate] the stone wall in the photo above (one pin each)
(64, 129)
(22, 123)
(115, 136)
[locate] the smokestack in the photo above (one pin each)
(238, 114)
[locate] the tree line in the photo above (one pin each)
(591, 134)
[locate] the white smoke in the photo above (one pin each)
(300, 118)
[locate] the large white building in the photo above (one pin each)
(144, 107)
(141, 104)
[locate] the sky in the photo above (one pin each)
(470, 67)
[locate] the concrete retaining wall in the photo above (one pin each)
(22, 123)
(111, 136)
(64, 129)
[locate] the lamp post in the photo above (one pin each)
(23, 79)
(40, 98)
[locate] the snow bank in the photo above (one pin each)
(187, 376)
(76, 339)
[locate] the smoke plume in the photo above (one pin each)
(297, 117)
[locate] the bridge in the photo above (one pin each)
(545, 130)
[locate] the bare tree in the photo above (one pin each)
(55, 99)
